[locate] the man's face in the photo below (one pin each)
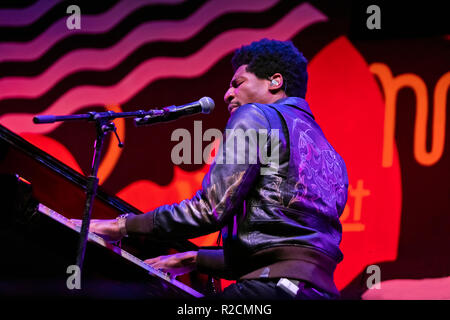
(246, 87)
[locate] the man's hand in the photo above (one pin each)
(107, 229)
(175, 264)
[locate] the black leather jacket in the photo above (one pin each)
(279, 218)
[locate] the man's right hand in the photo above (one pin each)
(175, 264)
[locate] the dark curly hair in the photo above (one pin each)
(266, 57)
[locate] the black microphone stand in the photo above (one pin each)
(104, 125)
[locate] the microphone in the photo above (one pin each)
(204, 105)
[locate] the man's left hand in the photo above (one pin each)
(107, 229)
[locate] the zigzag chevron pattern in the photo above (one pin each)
(80, 95)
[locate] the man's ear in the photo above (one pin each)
(276, 82)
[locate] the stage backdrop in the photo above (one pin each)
(377, 86)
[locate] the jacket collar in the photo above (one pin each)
(296, 102)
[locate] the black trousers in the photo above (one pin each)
(267, 289)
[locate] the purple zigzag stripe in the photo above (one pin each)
(95, 59)
(26, 16)
(153, 69)
(35, 48)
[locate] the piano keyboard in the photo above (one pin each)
(102, 242)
